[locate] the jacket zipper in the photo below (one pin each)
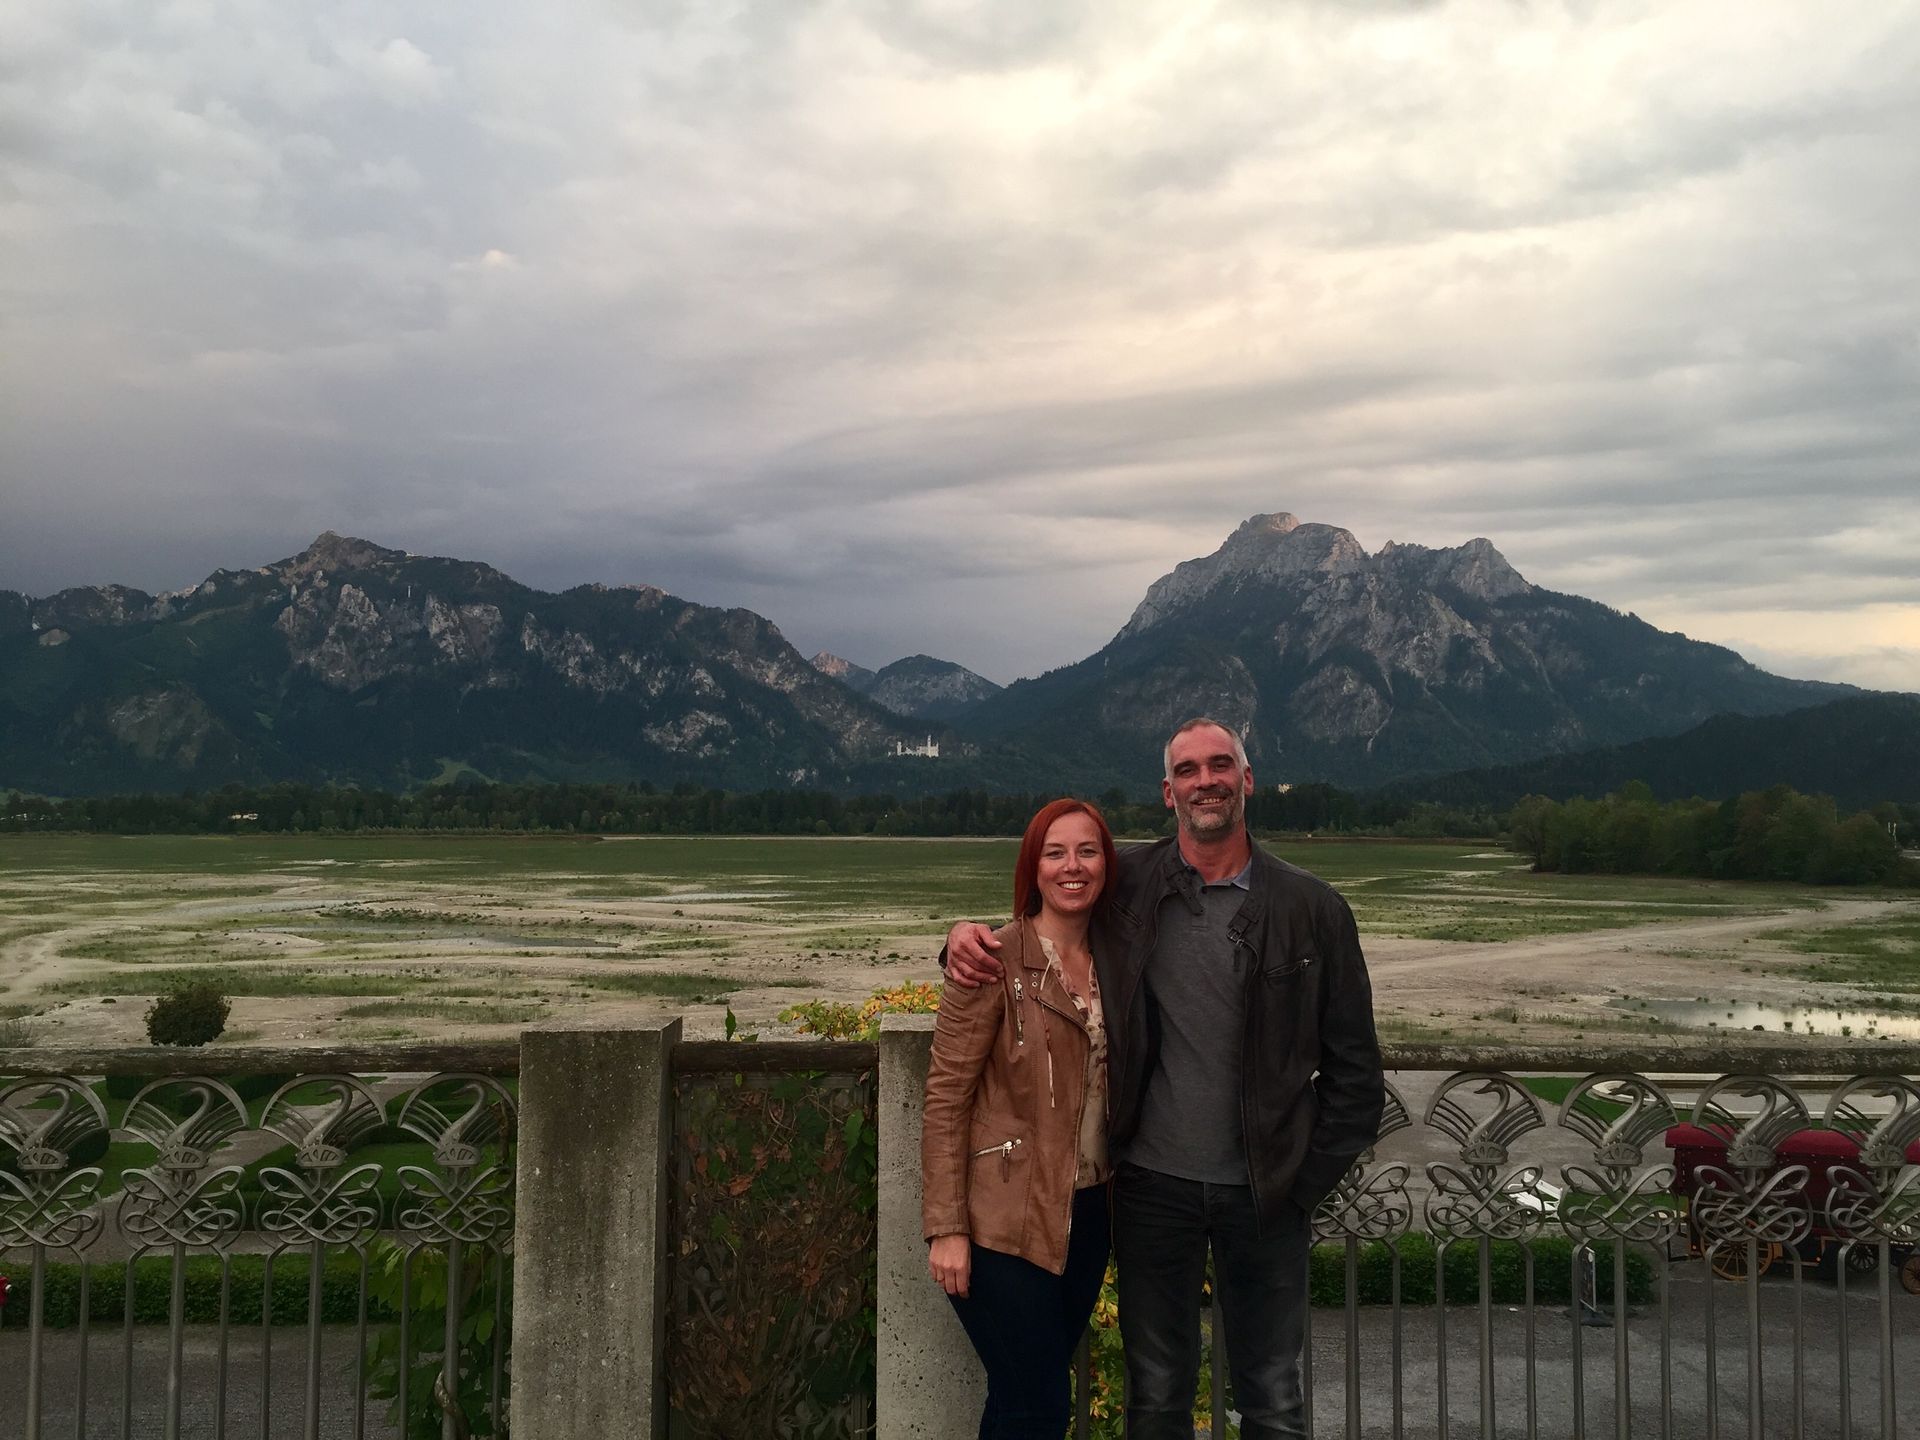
(1005, 1149)
(1079, 1123)
(1133, 993)
(1019, 1016)
(1246, 1049)
(1140, 975)
(1040, 999)
(1080, 1115)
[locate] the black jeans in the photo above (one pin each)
(1026, 1323)
(1161, 1229)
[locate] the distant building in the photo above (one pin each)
(244, 815)
(1285, 787)
(930, 750)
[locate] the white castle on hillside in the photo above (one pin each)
(931, 750)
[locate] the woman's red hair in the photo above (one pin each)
(1026, 869)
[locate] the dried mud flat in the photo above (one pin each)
(1586, 985)
(387, 942)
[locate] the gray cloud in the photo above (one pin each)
(949, 327)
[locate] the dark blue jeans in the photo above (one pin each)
(1162, 1226)
(1026, 1323)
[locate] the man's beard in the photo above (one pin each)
(1220, 820)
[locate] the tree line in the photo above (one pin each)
(1775, 834)
(468, 804)
(1772, 834)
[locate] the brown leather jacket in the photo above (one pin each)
(998, 1152)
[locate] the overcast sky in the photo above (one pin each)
(919, 325)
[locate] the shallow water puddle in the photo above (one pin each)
(702, 897)
(1798, 1019)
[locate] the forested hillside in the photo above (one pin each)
(1862, 751)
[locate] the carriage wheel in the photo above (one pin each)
(1729, 1262)
(1910, 1273)
(1862, 1261)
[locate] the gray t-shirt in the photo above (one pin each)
(1190, 1122)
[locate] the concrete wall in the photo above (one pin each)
(930, 1383)
(589, 1295)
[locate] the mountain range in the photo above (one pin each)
(1360, 669)
(355, 663)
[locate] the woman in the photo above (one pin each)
(1014, 1152)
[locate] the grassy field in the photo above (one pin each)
(363, 937)
(1883, 957)
(1460, 890)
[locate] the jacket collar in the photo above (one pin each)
(1171, 863)
(1031, 956)
(1172, 871)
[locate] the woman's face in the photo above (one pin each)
(1073, 867)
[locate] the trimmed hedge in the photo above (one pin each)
(340, 1285)
(153, 1291)
(1552, 1273)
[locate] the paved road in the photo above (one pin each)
(106, 1387)
(1554, 1368)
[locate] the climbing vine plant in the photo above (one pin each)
(773, 1279)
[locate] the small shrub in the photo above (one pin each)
(190, 1014)
(831, 1020)
(153, 1288)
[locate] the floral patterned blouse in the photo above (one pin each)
(1093, 1166)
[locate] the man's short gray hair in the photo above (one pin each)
(1196, 723)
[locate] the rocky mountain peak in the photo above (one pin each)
(1266, 549)
(1475, 568)
(331, 551)
(1344, 666)
(919, 687)
(925, 687)
(85, 606)
(1281, 522)
(843, 670)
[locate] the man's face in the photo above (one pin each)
(1207, 785)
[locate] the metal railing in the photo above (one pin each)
(1722, 1226)
(388, 1199)
(301, 1259)
(1664, 1239)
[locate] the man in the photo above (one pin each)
(1243, 1077)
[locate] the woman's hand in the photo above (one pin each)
(950, 1258)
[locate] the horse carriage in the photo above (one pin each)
(1833, 1178)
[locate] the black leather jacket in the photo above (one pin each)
(1311, 1090)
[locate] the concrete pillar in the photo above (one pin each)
(930, 1385)
(589, 1259)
